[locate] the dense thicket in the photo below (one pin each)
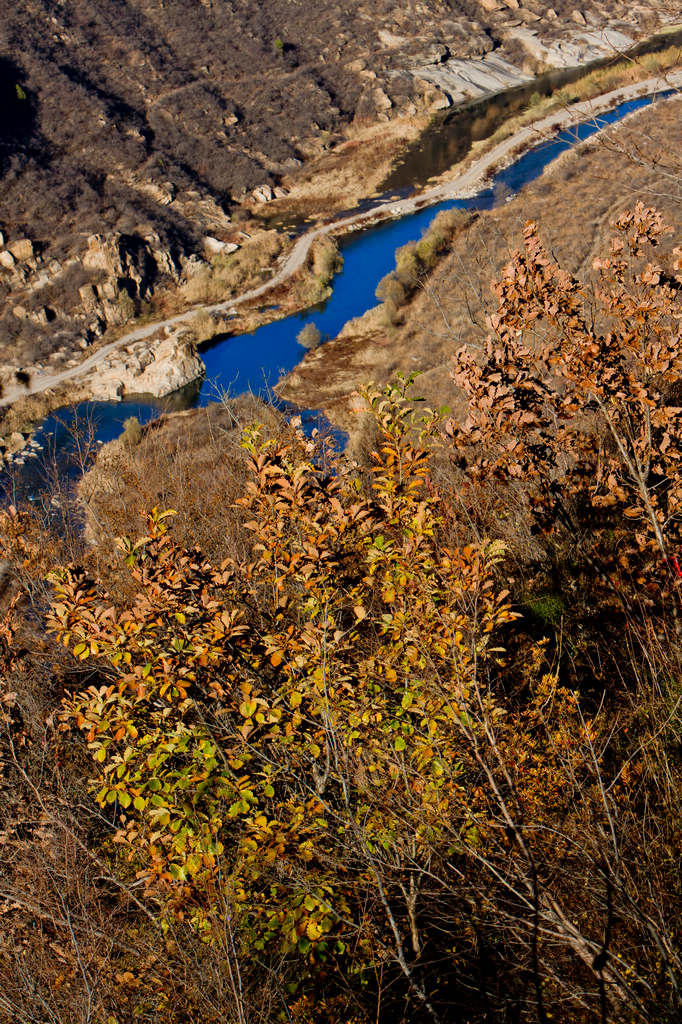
(413, 750)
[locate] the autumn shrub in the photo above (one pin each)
(574, 403)
(375, 763)
(407, 266)
(415, 261)
(390, 288)
(334, 703)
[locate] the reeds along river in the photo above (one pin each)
(255, 362)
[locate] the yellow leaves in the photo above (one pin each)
(231, 754)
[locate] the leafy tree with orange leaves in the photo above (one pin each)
(285, 736)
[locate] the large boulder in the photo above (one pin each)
(151, 367)
(21, 249)
(176, 363)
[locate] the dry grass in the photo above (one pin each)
(354, 170)
(230, 275)
(192, 462)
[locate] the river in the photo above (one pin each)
(255, 362)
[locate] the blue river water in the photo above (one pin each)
(255, 362)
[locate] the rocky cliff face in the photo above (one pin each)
(51, 308)
(157, 367)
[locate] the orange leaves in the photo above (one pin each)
(576, 412)
(291, 710)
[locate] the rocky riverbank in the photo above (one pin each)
(157, 366)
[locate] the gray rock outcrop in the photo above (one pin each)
(157, 367)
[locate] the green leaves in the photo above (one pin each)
(282, 725)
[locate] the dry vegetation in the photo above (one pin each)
(590, 86)
(358, 758)
(230, 275)
(308, 286)
(190, 461)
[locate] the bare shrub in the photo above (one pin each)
(309, 336)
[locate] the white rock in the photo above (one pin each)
(22, 249)
(157, 368)
(381, 100)
(88, 296)
(213, 245)
(263, 194)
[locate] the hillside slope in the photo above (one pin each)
(149, 121)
